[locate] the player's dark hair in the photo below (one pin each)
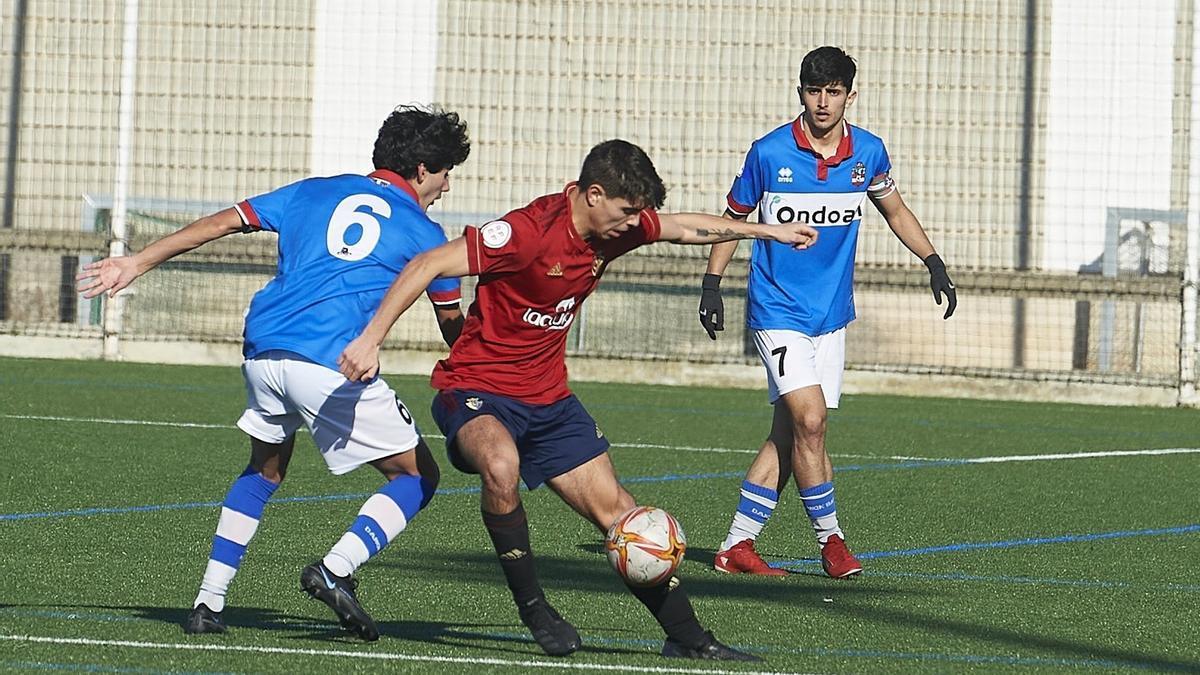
(413, 135)
(625, 172)
(827, 65)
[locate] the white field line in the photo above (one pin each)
(686, 448)
(94, 420)
(1064, 455)
(375, 656)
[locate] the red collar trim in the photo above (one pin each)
(844, 150)
(579, 242)
(396, 180)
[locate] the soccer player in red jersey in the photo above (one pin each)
(504, 404)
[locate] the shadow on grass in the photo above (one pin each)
(1021, 641)
(493, 637)
(874, 600)
(593, 574)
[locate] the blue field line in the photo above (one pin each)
(114, 510)
(690, 476)
(1010, 543)
(150, 508)
(1037, 581)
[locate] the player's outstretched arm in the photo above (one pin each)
(702, 228)
(908, 230)
(360, 359)
(712, 306)
(114, 274)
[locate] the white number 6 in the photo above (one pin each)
(347, 214)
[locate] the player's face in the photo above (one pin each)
(610, 217)
(825, 105)
(432, 185)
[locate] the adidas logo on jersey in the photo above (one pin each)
(555, 271)
(785, 175)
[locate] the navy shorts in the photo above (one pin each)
(551, 439)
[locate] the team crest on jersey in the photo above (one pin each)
(785, 175)
(496, 233)
(858, 175)
(598, 264)
(474, 403)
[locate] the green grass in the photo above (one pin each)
(1038, 594)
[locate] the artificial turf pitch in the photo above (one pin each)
(114, 474)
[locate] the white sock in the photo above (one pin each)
(755, 506)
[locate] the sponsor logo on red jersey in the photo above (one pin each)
(560, 320)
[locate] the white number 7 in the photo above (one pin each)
(347, 214)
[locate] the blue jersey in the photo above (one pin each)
(810, 291)
(342, 242)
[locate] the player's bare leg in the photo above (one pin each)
(805, 408)
(488, 447)
(411, 479)
(593, 491)
(485, 444)
(240, 515)
(814, 477)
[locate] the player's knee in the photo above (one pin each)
(606, 514)
(271, 471)
(809, 426)
(499, 473)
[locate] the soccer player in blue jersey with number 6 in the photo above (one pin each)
(817, 169)
(342, 242)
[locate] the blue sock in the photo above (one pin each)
(821, 507)
(240, 514)
(756, 505)
(381, 518)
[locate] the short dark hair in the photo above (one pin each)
(414, 135)
(827, 65)
(625, 172)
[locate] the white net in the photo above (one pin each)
(1061, 214)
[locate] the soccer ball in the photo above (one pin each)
(645, 546)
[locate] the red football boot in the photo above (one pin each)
(741, 558)
(837, 560)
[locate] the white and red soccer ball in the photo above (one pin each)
(645, 545)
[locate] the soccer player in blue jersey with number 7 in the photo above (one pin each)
(817, 169)
(342, 241)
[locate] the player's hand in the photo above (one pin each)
(360, 360)
(800, 236)
(110, 274)
(940, 282)
(712, 307)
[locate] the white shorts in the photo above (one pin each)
(352, 423)
(794, 360)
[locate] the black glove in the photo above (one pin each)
(712, 308)
(940, 283)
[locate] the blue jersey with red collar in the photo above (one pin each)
(811, 291)
(342, 242)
